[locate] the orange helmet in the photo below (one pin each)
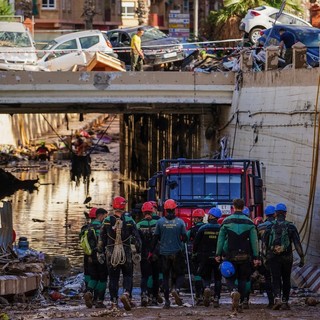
(119, 203)
(147, 207)
(198, 213)
(170, 204)
(92, 213)
(257, 220)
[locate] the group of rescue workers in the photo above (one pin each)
(232, 247)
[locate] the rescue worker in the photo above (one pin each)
(90, 218)
(136, 53)
(204, 246)
(238, 241)
(171, 232)
(43, 152)
(97, 271)
(197, 218)
(117, 233)
(277, 244)
(155, 214)
(287, 40)
(264, 269)
(80, 160)
(149, 263)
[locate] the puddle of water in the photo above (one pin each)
(60, 203)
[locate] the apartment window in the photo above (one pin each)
(48, 4)
(128, 9)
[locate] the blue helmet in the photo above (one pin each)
(269, 210)
(281, 207)
(216, 212)
(227, 269)
(246, 211)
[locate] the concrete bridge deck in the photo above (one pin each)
(113, 92)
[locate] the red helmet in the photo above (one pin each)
(170, 204)
(220, 220)
(154, 203)
(257, 220)
(147, 207)
(198, 213)
(119, 203)
(92, 213)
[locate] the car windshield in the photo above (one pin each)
(151, 34)
(199, 187)
(14, 39)
(50, 45)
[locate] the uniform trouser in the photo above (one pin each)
(136, 62)
(149, 268)
(98, 278)
(173, 266)
(280, 267)
(114, 276)
(266, 272)
(209, 267)
(239, 280)
(198, 283)
(85, 270)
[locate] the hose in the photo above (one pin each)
(118, 255)
(307, 223)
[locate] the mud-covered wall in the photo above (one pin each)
(21, 129)
(147, 138)
(272, 119)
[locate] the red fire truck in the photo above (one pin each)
(207, 183)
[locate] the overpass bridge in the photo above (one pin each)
(113, 92)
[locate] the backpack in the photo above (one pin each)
(88, 241)
(279, 239)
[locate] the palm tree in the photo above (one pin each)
(220, 24)
(5, 8)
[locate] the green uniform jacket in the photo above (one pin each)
(237, 237)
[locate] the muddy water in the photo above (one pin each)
(60, 203)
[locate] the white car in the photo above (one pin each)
(76, 48)
(263, 17)
(17, 50)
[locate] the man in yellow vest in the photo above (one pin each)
(137, 55)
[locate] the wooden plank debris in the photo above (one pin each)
(104, 62)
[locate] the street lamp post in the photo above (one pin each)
(195, 21)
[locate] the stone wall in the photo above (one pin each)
(274, 116)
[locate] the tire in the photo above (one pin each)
(254, 34)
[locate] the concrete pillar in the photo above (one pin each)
(272, 53)
(246, 60)
(299, 56)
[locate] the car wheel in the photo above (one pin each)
(255, 34)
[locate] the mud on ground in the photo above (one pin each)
(73, 310)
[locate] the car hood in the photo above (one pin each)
(160, 42)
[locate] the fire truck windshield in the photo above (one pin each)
(208, 187)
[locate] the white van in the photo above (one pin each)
(17, 50)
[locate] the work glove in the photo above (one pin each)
(301, 263)
(101, 258)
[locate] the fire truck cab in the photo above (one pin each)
(199, 183)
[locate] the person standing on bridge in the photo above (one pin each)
(136, 53)
(287, 40)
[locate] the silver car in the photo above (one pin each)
(17, 50)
